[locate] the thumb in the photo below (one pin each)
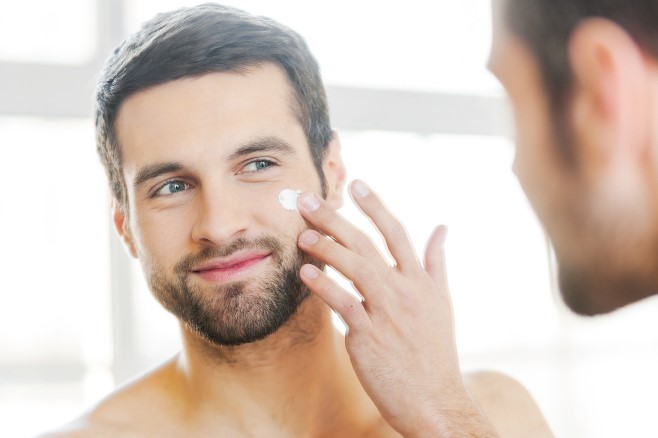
(435, 256)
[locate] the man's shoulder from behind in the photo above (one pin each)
(507, 403)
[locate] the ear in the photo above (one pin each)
(334, 172)
(123, 228)
(611, 96)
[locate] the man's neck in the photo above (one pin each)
(298, 380)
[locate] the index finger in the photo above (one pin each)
(394, 234)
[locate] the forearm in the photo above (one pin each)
(461, 418)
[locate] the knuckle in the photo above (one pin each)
(363, 245)
(353, 313)
(363, 271)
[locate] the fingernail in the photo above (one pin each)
(310, 202)
(359, 189)
(309, 237)
(310, 272)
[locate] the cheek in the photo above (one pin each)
(270, 216)
(149, 232)
(523, 160)
(532, 138)
(269, 208)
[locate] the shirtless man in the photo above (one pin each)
(204, 117)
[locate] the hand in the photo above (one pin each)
(400, 337)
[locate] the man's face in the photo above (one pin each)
(604, 258)
(204, 160)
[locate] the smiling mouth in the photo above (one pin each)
(231, 270)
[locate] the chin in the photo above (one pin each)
(600, 291)
(584, 302)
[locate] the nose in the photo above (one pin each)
(221, 216)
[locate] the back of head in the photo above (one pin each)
(546, 26)
(194, 41)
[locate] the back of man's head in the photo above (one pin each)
(194, 41)
(546, 26)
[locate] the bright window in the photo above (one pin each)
(427, 46)
(54, 306)
(48, 32)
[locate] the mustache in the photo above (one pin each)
(190, 262)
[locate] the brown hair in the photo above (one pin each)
(546, 26)
(204, 39)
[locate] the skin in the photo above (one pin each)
(305, 379)
(601, 213)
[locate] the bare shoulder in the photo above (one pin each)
(109, 418)
(507, 404)
(118, 413)
(84, 428)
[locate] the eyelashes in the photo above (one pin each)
(172, 187)
(178, 185)
(257, 165)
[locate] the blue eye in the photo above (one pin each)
(257, 165)
(172, 187)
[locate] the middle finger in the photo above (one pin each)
(359, 270)
(316, 211)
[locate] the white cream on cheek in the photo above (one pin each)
(288, 199)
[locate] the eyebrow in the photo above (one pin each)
(265, 144)
(154, 170)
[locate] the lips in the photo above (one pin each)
(231, 268)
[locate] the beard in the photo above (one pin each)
(602, 286)
(606, 257)
(239, 312)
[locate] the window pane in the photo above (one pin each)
(44, 31)
(438, 46)
(54, 302)
(465, 182)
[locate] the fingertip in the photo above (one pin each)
(359, 189)
(309, 272)
(308, 238)
(441, 232)
(308, 201)
(434, 247)
(439, 235)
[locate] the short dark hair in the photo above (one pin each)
(546, 26)
(197, 40)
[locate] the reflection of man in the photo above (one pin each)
(581, 78)
(204, 117)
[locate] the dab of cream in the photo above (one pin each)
(288, 199)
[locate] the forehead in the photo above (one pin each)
(498, 8)
(507, 49)
(215, 111)
(499, 32)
